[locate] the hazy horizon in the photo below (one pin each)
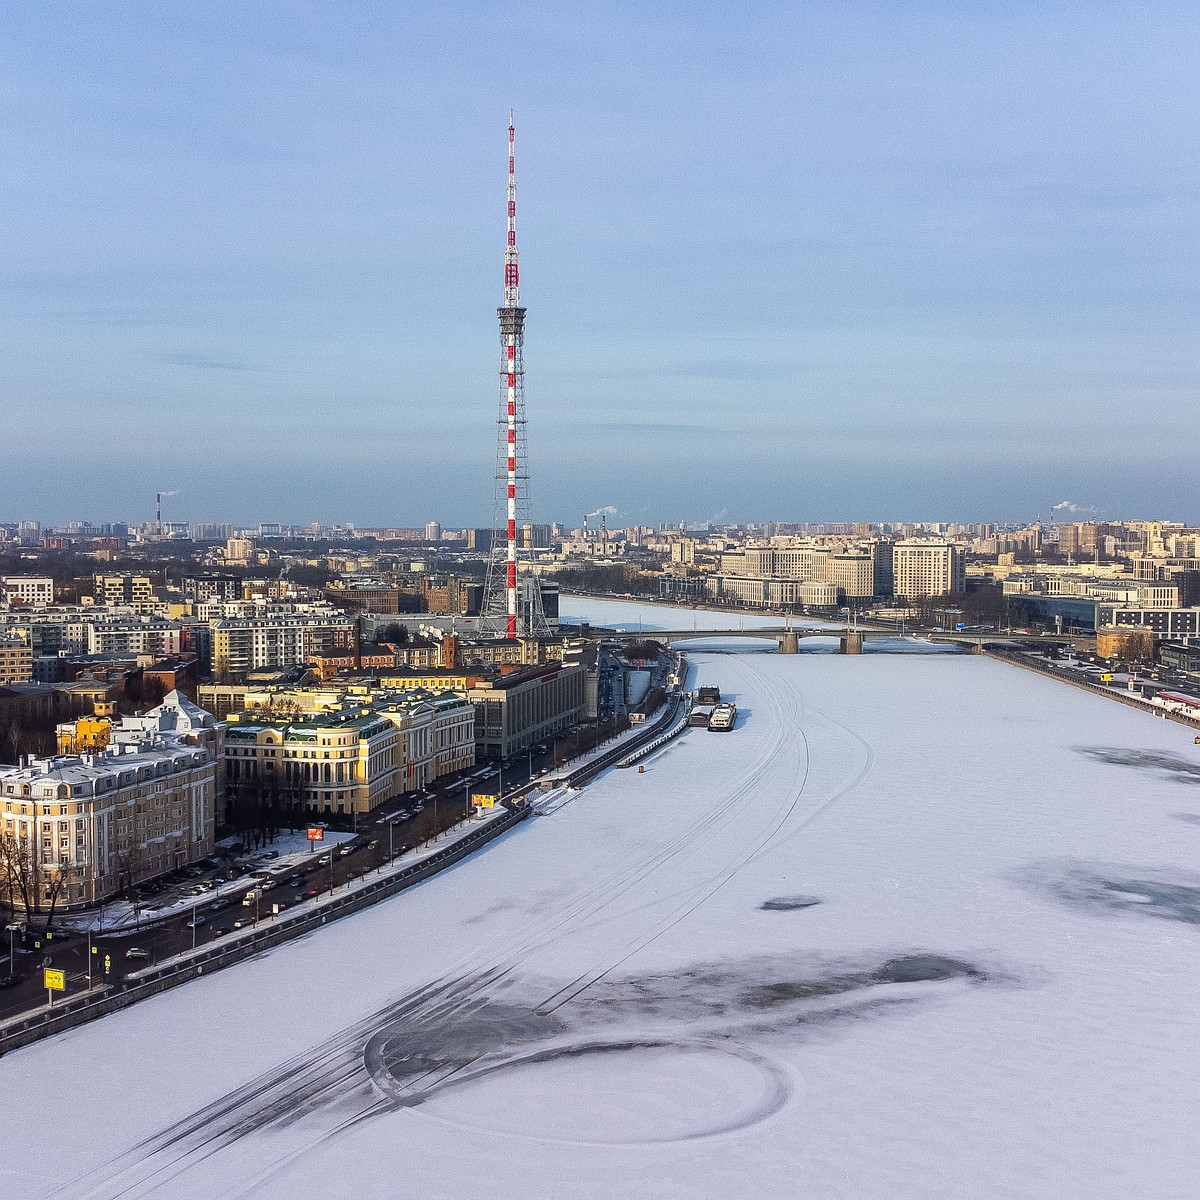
(804, 264)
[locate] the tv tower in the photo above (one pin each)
(516, 610)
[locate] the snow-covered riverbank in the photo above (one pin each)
(921, 926)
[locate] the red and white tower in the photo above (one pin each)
(512, 603)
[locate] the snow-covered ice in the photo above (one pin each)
(924, 925)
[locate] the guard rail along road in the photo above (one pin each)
(71, 1012)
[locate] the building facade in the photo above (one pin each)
(245, 644)
(76, 830)
(352, 756)
(925, 567)
(34, 590)
(16, 659)
(517, 710)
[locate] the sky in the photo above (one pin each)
(816, 261)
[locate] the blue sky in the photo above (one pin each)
(821, 261)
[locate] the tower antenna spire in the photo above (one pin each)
(502, 603)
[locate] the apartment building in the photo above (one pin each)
(125, 591)
(16, 659)
(278, 640)
(35, 591)
(76, 830)
(927, 567)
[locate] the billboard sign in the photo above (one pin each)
(484, 801)
(316, 833)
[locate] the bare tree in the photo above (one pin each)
(54, 881)
(18, 872)
(129, 859)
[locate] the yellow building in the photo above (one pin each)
(83, 736)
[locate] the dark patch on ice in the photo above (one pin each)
(416, 1048)
(788, 903)
(925, 968)
(455, 1030)
(1187, 818)
(912, 968)
(1173, 766)
(1165, 895)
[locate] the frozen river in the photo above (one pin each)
(923, 925)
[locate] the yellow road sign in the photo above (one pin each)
(484, 801)
(56, 981)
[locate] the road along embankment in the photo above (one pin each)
(71, 1012)
(67, 1014)
(1064, 676)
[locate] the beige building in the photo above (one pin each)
(125, 591)
(927, 567)
(16, 659)
(78, 829)
(239, 551)
(351, 756)
(517, 710)
(280, 640)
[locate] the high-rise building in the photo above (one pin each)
(927, 567)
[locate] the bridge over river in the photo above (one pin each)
(850, 639)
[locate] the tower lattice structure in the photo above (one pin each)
(512, 599)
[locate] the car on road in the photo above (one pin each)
(270, 854)
(347, 849)
(196, 922)
(313, 892)
(7, 981)
(136, 952)
(373, 844)
(242, 923)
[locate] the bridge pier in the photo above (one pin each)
(851, 642)
(789, 642)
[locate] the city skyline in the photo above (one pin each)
(810, 266)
